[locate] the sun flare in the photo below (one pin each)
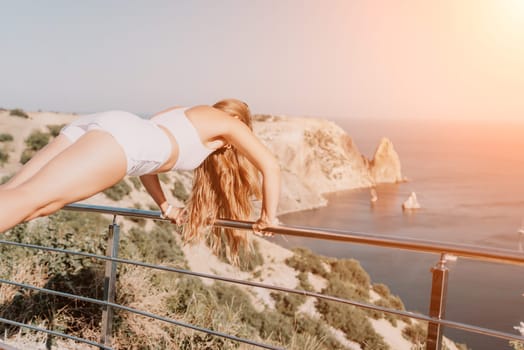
(513, 10)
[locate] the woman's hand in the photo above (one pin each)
(176, 215)
(263, 223)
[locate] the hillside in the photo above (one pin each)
(317, 157)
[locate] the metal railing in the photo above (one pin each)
(435, 319)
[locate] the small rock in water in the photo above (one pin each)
(373, 194)
(411, 202)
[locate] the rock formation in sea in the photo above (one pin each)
(411, 202)
(385, 165)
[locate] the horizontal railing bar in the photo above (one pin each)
(138, 312)
(55, 292)
(102, 209)
(58, 334)
(56, 250)
(412, 244)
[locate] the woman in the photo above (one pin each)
(96, 151)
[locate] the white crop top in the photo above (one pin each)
(191, 150)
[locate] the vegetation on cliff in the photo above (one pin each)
(218, 306)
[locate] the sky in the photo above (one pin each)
(448, 59)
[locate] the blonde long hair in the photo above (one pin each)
(223, 187)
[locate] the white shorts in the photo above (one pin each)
(145, 145)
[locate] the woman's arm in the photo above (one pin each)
(153, 187)
(241, 137)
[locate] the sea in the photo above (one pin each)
(468, 176)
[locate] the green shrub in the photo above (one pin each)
(54, 129)
(4, 137)
(517, 345)
(34, 142)
(137, 184)
(26, 155)
(382, 290)
(194, 300)
(17, 112)
(37, 140)
(304, 260)
(416, 333)
(140, 221)
(198, 304)
(187, 290)
(350, 270)
(287, 303)
(346, 279)
(389, 301)
(248, 259)
(4, 156)
(274, 325)
(87, 231)
(118, 191)
(353, 322)
(392, 318)
(5, 178)
(164, 178)
(156, 246)
(179, 191)
(304, 282)
(346, 289)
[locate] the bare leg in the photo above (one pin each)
(36, 163)
(91, 164)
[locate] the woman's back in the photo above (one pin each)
(191, 148)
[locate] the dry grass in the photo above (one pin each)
(137, 291)
(35, 275)
(140, 292)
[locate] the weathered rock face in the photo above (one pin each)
(318, 157)
(385, 165)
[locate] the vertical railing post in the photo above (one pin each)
(110, 282)
(437, 304)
